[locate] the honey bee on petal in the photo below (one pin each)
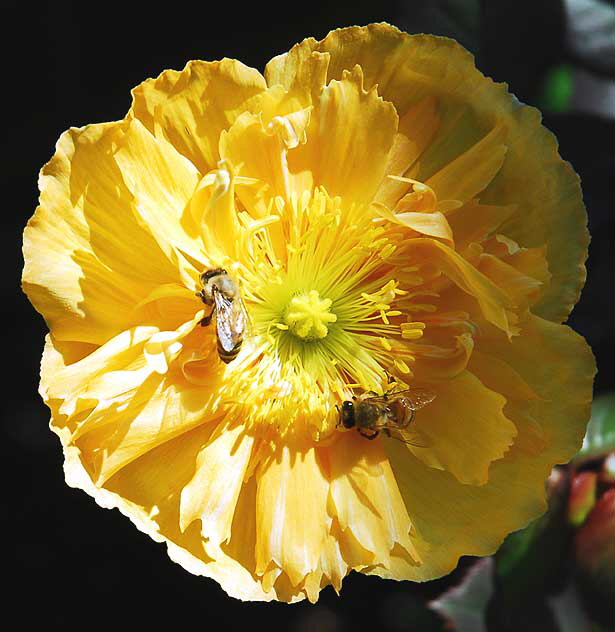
(221, 292)
(372, 414)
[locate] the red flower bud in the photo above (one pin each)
(595, 557)
(582, 497)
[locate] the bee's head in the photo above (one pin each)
(209, 274)
(347, 414)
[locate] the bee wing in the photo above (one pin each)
(418, 397)
(412, 438)
(231, 320)
(376, 400)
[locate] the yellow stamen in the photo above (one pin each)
(385, 343)
(412, 331)
(401, 366)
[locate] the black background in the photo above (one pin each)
(68, 64)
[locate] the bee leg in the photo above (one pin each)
(410, 418)
(207, 320)
(369, 436)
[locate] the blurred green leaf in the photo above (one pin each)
(557, 89)
(600, 435)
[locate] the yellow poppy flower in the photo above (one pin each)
(395, 223)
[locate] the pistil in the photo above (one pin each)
(308, 315)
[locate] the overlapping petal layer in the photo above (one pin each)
(391, 215)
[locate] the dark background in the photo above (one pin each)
(66, 64)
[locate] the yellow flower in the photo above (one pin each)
(389, 215)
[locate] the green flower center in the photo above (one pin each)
(307, 316)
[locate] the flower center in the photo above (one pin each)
(307, 316)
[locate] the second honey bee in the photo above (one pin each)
(221, 292)
(372, 414)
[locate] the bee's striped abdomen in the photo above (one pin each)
(228, 356)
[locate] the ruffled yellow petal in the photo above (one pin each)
(465, 177)
(162, 182)
(465, 429)
(349, 138)
(260, 151)
(559, 367)
(291, 525)
(301, 72)
(212, 493)
(415, 130)
(148, 491)
(544, 189)
(521, 288)
(88, 260)
(365, 501)
(193, 106)
(125, 398)
(492, 300)
(431, 224)
(497, 375)
(453, 519)
(387, 221)
(474, 222)
(477, 520)
(553, 213)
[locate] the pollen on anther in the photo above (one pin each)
(385, 343)
(401, 366)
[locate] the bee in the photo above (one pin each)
(221, 292)
(372, 414)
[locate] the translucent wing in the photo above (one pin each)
(380, 401)
(410, 438)
(231, 320)
(418, 397)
